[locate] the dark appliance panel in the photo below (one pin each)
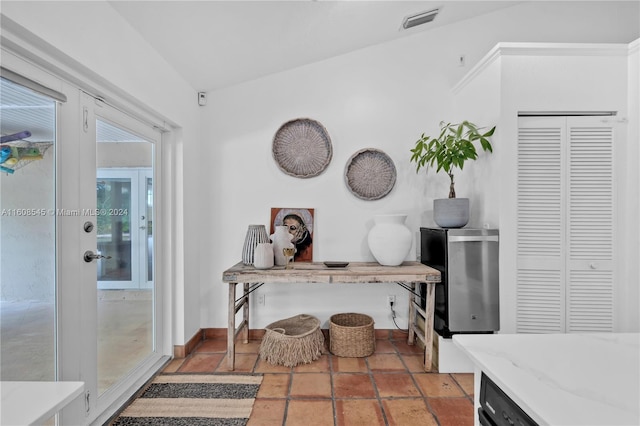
(467, 301)
(497, 409)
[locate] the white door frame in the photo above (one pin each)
(76, 289)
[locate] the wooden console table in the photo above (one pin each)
(408, 275)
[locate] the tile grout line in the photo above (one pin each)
(288, 397)
(333, 395)
(470, 397)
(375, 389)
(418, 387)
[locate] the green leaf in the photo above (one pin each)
(490, 132)
(452, 148)
(486, 145)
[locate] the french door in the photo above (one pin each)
(90, 199)
(118, 155)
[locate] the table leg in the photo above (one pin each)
(245, 314)
(231, 328)
(412, 315)
(428, 325)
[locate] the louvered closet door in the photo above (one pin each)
(565, 225)
(590, 227)
(541, 258)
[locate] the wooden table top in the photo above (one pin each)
(318, 272)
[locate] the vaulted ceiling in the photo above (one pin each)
(215, 44)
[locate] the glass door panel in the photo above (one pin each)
(27, 235)
(124, 194)
(114, 229)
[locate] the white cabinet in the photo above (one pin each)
(565, 224)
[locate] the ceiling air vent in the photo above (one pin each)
(419, 19)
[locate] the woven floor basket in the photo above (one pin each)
(292, 341)
(352, 335)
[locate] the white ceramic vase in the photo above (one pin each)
(263, 256)
(281, 239)
(255, 234)
(390, 239)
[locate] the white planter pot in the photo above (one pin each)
(390, 239)
(451, 212)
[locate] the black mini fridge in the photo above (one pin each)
(468, 298)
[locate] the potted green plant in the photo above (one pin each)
(450, 150)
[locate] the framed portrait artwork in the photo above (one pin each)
(300, 224)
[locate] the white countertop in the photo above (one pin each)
(32, 403)
(564, 379)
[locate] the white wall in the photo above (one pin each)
(244, 182)
(631, 197)
(383, 97)
(480, 103)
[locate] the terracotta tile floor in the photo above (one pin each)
(386, 388)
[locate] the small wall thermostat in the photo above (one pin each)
(202, 98)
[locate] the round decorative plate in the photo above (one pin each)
(370, 174)
(302, 148)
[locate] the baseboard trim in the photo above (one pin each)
(183, 351)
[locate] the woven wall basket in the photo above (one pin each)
(352, 335)
(302, 148)
(292, 341)
(370, 174)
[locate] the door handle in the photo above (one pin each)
(90, 256)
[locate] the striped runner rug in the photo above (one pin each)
(194, 400)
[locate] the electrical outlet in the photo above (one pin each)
(391, 299)
(261, 299)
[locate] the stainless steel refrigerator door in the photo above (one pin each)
(473, 283)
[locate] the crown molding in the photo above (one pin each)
(544, 49)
